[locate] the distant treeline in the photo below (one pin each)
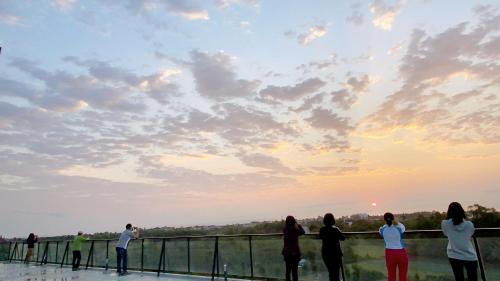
(480, 216)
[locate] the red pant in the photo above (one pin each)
(396, 259)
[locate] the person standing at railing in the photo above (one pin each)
(461, 253)
(291, 250)
(32, 239)
(330, 250)
(77, 249)
(395, 253)
(121, 248)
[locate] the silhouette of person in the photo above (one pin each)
(330, 249)
(291, 250)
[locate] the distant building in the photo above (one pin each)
(361, 216)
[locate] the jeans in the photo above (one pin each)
(77, 256)
(458, 269)
(121, 260)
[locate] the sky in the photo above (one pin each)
(181, 113)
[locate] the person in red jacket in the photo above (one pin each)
(291, 250)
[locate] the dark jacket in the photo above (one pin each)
(291, 242)
(31, 242)
(331, 237)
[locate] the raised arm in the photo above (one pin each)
(340, 235)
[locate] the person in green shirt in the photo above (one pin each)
(77, 248)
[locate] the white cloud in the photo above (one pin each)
(434, 62)
(383, 14)
(194, 15)
(63, 4)
(10, 19)
(313, 33)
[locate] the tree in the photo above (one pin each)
(484, 217)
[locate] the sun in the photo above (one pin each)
(374, 204)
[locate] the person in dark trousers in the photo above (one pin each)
(77, 249)
(291, 250)
(32, 239)
(121, 248)
(330, 250)
(460, 250)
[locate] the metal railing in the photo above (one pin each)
(257, 256)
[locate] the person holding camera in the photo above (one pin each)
(291, 250)
(32, 239)
(121, 248)
(395, 253)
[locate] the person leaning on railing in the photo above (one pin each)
(291, 250)
(77, 250)
(121, 248)
(460, 251)
(32, 239)
(330, 249)
(395, 253)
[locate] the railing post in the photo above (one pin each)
(189, 253)
(14, 251)
(37, 251)
(142, 255)
(45, 253)
(57, 250)
(479, 258)
(216, 258)
(22, 252)
(89, 256)
(107, 254)
(65, 253)
(161, 256)
(251, 255)
(165, 256)
(10, 245)
(67, 256)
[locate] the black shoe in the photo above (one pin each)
(124, 273)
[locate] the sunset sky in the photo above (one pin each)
(179, 113)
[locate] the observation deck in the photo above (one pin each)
(249, 256)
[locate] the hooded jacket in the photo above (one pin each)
(459, 240)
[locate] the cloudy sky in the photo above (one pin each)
(178, 113)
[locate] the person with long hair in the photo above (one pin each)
(396, 257)
(291, 250)
(460, 251)
(330, 249)
(32, 239)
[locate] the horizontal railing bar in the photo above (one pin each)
(479, 232)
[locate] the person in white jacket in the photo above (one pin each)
(460, 250)
(396, 257)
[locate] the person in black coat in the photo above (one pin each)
(330, 250)
(32, 239)
(291, 250)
